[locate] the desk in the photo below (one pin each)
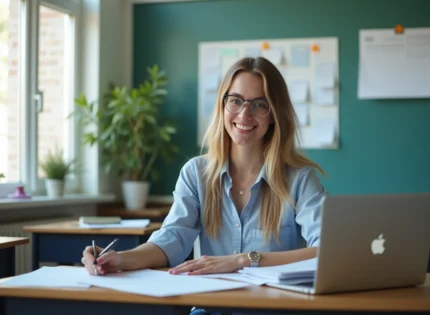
(40, 301)
(7, 254)
(64, 242)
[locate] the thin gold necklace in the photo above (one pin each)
(253, 178)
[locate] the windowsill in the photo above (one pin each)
(43, 201)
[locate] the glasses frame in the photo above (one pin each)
(243, 105)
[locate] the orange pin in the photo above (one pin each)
(399, 29)
(266, 45)
(315, 48)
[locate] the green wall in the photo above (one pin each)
(384, 144)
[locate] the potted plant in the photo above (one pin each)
(56, 170)
(130, 134)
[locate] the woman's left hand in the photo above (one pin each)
(211, 264)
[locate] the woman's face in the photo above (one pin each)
(243, 127)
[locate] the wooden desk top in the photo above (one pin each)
(6, 242)
(403, 299)
(72, 227)
(148, 213)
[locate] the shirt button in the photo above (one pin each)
(237, 225)
(235, 252)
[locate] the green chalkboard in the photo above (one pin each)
(384, 144)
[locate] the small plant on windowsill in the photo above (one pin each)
(1, 177)
(56, 170)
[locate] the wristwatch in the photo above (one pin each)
(254, 258)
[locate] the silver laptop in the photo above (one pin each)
(371, 242)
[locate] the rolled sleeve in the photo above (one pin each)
(182, 225)
(311, 196)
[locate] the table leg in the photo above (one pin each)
(7, 262)
(36, 251)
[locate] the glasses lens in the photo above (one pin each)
(233, 104)
(260, 108)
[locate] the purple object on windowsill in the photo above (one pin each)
(19, 193)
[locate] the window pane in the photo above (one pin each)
(10, 100)
(55, 81)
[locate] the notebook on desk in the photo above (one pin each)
(375, 242)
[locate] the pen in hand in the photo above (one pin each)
(110, 246)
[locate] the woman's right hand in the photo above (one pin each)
(108, 263)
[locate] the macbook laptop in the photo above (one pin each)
(371, 242)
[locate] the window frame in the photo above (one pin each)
(28, 72)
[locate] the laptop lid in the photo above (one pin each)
(373, 242)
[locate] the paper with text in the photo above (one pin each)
(394, 65)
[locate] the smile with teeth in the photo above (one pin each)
(243, 127)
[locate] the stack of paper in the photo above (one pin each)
(294, 273)
(132, 223)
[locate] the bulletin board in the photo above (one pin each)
(309, 67)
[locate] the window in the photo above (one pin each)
(37, 86)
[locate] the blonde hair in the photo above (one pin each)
(279, 149)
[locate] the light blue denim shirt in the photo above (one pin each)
(300, 227)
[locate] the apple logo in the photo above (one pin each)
(378, 245)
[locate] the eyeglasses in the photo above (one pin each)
(234, 104)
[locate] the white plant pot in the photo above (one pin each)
(135, 194)
(54, 187)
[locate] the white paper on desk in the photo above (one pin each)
(51, 277)
(210, 79)
(302, 113)
(161, 283)
(132, 223)
(237, 277)
(298, 90)
(325, 75)
(325, 131)
(324, 96)
(302, 269)
(274, 55)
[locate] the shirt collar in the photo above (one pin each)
(225, 169)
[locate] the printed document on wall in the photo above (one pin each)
(394, 65)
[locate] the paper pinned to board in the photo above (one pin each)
(324, 97)
(212, 58)
(252, 52)
(393, 65)
(302, 113)
(210, 80)
(299, 56)
(274, 55)
(325, 131)
(325, 75)
(209, 100)
(298, 90)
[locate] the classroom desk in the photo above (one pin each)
(64, 242)
(38, 301)
(7, 254)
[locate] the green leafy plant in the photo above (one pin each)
(2, 175)
(128, 129)
(54, 165)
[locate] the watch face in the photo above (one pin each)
(254, 255)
